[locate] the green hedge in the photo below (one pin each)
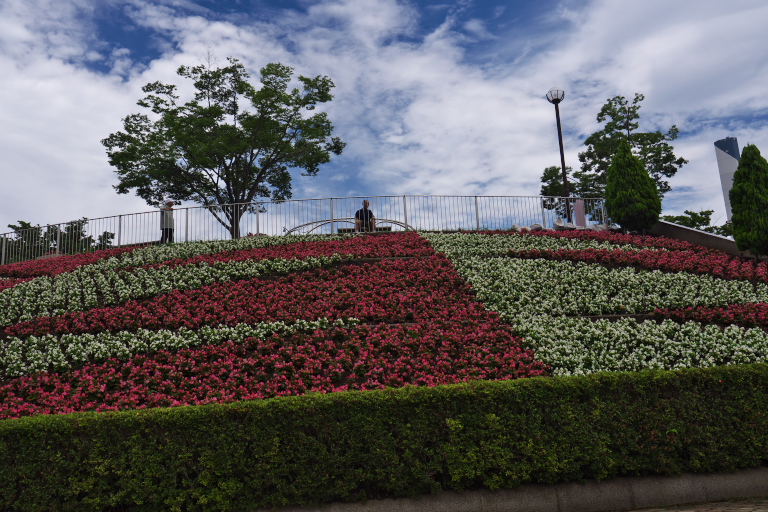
(390, 443)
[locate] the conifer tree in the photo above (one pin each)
(749, 202)
(631, 197)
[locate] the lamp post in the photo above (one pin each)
(555, 96)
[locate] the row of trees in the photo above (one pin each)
(653, 152)
(621, 122)
(633, 181)
(30, 241)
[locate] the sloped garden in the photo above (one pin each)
(271, 371)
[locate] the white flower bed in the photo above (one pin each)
(512, 286)
(468, 244)
(32, 354)
(577, 346)
(166, 252)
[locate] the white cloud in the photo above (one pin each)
(419, 113)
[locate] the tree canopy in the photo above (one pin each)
(621, 118)
(749, 202)
(631, 198)
(231, 143)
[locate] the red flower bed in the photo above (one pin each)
(59, 264)
(381, 246)
(10, 283)
(387, 291)
(655, 242)
(714, 263)
(365, 357)
(746, 315)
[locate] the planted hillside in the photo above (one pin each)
(260, 318)
(272, 371)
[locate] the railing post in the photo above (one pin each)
(258, 219)
(2, 258)
(543, 214)
(332, 223)
(477, 214)
(119, 230)
(186, 225)
(405, 213)
(58, 240)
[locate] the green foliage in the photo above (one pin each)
(749, 202)
(552, 186)
(353, 446)
(724, 230)
(699, 220)
(31, 241)
(552, 181)
(695, 220)
(621, 123)
(230, 144)
(631, 197)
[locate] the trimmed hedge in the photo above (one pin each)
(391, 443)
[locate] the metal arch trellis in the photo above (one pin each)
(351, 220)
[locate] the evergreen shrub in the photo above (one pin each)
(631, 197)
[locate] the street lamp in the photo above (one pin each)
(555, 96)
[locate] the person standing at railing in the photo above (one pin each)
(166, 222)
(364, 219)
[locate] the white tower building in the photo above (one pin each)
(727, 152)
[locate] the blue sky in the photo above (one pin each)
(443, 97)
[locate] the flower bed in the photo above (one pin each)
(113, 281)
(714, 263)
(387, 291)
(747, 315)
(82, 290)
(219, 339)
(515, 286)
(59, 264)
(31, 354)
(364, 357)
(543, 290)
(580, 236)
(579, 346)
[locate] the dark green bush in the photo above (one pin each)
(391, 443)
(631, 196)
(749, 202)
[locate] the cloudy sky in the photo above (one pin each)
(432, 97)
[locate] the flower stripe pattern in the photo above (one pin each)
(717, 302)
(406, 320)
(365, 357)
(111, 282)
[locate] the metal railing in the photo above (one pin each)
(296, 216)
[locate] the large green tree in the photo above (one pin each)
(230, 144)
(631, 198)
(749, 202)
(621, 122)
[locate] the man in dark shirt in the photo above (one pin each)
(364, 219)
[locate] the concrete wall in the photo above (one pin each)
(695, 236)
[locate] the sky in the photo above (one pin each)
(431, 97)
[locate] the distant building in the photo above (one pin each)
(727, 152)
